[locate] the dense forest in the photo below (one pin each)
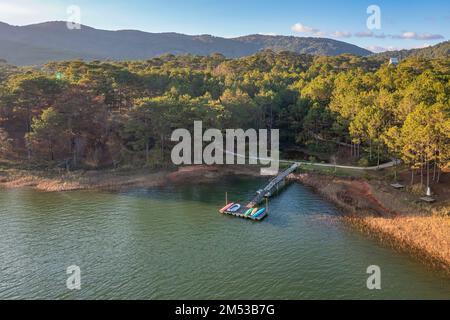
(103, 114)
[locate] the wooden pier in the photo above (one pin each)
(274, 185)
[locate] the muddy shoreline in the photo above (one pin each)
(51, 181)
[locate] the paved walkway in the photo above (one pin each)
(328, 165)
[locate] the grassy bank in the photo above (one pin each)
(427, 238)
(338, 172)
(391, 216)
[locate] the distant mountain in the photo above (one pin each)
(40, 43)
(315, 46)
(441, 50)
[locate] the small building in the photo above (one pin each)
(397, 186)
(393, 61)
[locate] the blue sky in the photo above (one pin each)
(404, 24)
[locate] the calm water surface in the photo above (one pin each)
(171, 243)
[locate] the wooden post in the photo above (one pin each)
(226, 198)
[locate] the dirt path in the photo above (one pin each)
(386, 165)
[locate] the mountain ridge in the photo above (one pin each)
(32, 41)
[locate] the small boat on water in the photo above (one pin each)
(248, 212)
(258, 213)
(226, 207)
(234, 208)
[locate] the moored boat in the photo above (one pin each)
(226, 207)
(234, 208)
(258, 213)
(248, 212)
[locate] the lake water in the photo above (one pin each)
(171, 243)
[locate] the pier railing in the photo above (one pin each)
(269, 188)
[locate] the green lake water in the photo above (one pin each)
(171, 243)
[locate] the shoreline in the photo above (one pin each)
(381, 213)
(369, 206)
(112, 180)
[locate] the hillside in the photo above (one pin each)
(39, 43)
(315, 46)
(441, 50)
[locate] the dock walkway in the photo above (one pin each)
(265, 192)
(268, 190)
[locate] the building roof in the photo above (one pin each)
(393, 61)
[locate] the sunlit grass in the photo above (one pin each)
(427, 237)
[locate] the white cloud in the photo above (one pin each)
(370, 34)
(300, 28)
(375, 49)
(15, 9)
(364, 34)
(409, 35)
(341, 34)
(320, 34)
(22, 12)
(429, 36)
(420, 46)
(380, 36)
(267, 33)
(378, 49)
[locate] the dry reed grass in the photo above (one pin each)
(426, 237)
